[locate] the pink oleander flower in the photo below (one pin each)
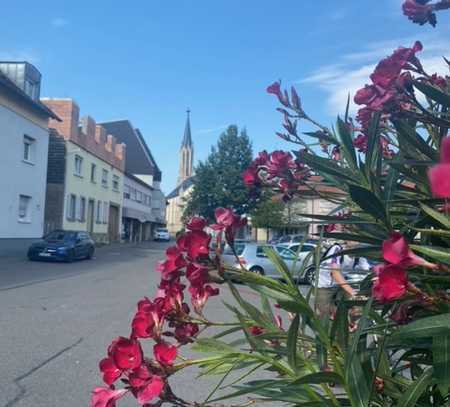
(197, 274)
(439, 175)
(172, 296)
(151, 390)
(139, 377)
(361, 142)
(173, 264)
(200, 295)
(196, 223)
(126, 353)
(366, 95)
(110, 371)
(396, 251)
(275, 89)
(165, 353)
(250, 177)
(149, 319)
(280, 162)
(331, 227)
(388, 69)
(390, 284)
(195, 243)
(105, 397)
(419, 12)
(228, 221)
(256, 330)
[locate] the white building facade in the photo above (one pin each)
(23, 167)
(137, 215)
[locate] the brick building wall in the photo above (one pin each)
(85, 132)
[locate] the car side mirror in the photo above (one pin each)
(78, 240)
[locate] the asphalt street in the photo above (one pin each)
(58, 319)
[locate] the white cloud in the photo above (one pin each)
(59, 22)
(211, 129)
(352, 70)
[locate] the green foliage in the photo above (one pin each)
(268, 213)
(218, 180)
(382, 363)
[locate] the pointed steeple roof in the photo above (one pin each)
(187, 139)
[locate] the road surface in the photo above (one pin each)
(58, 319)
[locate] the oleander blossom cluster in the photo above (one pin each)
(166, 319)
(277, 170)
(391, 93)
(424, 11)
(391, 282)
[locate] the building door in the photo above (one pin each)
(113, 224)
(90, 216)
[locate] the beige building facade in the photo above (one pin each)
(85, 178)
(176, 200)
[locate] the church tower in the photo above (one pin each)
(186, 153)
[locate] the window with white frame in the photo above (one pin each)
(93, 173)
(105, 178)
(98, 217)
(126, 192)
(115, 182)
(24, 208)
(81, 216)
(105, 212)
(71, 211)
(78, 165)
(28, 148)
(139, 196)
(133, 194)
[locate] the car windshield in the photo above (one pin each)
(60, 236)
(239, 247)
(284, 239)
(162, 230)
(297, 239)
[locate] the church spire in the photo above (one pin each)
(187, 139)
(186, 152)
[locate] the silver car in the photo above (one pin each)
(254, 258)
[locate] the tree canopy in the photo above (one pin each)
(268, 213)
(218, 180)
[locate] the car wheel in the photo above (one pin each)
(90, 254)
(310, 275)
(257, 270)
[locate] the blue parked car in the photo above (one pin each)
(63, 245)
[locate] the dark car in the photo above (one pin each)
(63, 245)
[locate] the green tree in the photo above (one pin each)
(268, 213)
(218, 179)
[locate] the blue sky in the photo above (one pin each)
(148, 60)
